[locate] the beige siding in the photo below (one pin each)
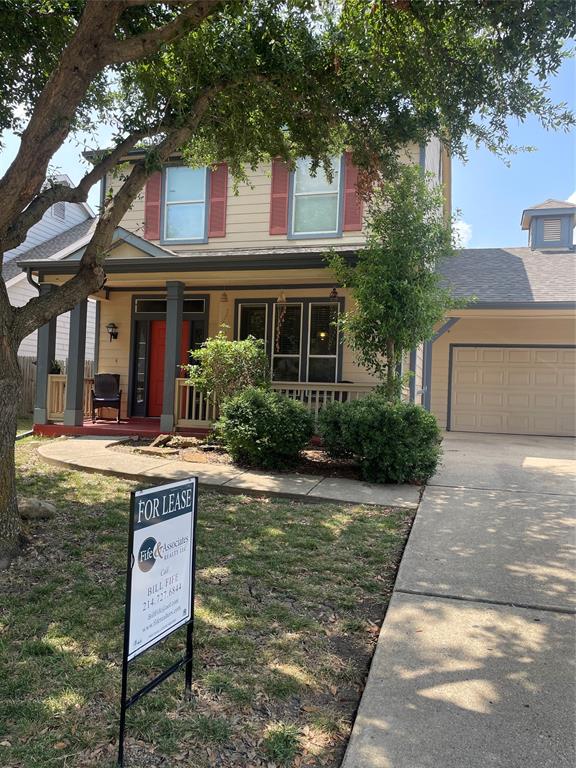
(114, 356)
(247, 218)
(529, 328)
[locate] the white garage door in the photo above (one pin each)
(514, 390)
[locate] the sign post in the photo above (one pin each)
(160, 578)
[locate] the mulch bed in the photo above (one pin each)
(313, 460)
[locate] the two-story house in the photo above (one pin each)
(192, 256)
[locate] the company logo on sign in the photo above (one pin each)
(151, 550)
(147, 554)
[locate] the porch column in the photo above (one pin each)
(46, 352)
(74, 413)
(174, 305)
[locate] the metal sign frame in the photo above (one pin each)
(186, 660)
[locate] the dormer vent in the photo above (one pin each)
(552, 230)
(550, 225)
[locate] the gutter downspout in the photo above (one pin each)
(427, 383)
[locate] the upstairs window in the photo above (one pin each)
(315, 200)
(184, 204)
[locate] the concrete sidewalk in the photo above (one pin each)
(474, 667)
(94, 454)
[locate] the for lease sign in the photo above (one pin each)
(162, 554)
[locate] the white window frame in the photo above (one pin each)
(298, 355)
(241, 306)
(166, 203)
(337, 192)
(322, 357)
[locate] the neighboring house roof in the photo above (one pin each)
(57, 247)
(550, 206)
(551, 203)
(512, 276)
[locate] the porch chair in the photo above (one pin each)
(106, 393)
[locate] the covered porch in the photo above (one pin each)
(155, 309)
(194, 413)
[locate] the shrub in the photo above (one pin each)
(263, 428)
(393, 442)
(225, 367)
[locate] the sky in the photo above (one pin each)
(489, 195)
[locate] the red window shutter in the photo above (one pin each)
(218, 200)
(152, 197)
(279, 198)
(352, 220)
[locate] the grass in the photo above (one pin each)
(289, 601)
(24, 424)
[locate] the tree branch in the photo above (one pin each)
(92, 48)
(16, 232)
(140, 46)
(91, 274)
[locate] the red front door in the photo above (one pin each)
(157, 342)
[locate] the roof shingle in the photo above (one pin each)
(45, 250)
(512, 275)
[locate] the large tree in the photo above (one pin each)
(240, 81)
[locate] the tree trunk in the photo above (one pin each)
(391, 383)
(10, 395)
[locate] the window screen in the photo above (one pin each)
(316, 199)
(184, 203)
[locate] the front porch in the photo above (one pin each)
(194, 414)
(154, 309)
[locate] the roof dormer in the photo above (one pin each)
(550, 225)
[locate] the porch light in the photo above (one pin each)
(112, 329)
(333, 293)
(223, 297)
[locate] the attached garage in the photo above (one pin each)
(506, 361)
(527, 390)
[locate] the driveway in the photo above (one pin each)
(508, 462)
(475, 663)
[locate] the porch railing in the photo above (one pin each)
(57, 396)
(193, 409)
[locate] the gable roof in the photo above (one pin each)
(512, 276)
(122, 235)
(49, 249)
(551, 203)
(550, 206)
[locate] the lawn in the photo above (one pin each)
(289, 602)
(24, 424)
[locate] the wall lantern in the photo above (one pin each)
(112, 329)
(333, 293)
